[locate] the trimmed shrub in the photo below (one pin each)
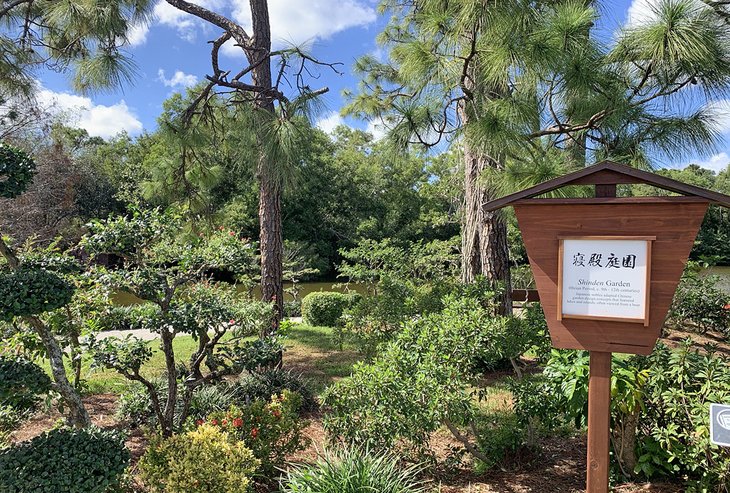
(325, 308)
(87, 460)
(17, 170)
(205, 459)
(700, 302)
(261, 386)
(292, 308)
(31, 292)
(21, 383)
(353, 471)
(272, 429)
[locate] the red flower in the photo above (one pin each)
(214, 422)
(221, 228)
(231, 233)
(199, 422)
(224, 422)
(727, 307)
(238, 422)
(232, 322)
(276, 413)
(254, 432)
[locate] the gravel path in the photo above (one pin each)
(147, 335)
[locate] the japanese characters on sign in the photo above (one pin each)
(605, 278)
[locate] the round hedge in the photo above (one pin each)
(31, 292)
(87, 460)
(16, 171)
(21, 382)
(325, 308)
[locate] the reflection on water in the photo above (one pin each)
(124, 298)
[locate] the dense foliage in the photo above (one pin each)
(326, 308)
(21, 383)
(700, 302)
(173, 465)
(32, 292)
(17, 170)
(262, 385)
(87, 460)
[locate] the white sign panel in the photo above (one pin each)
(605, 278)
(720, 424)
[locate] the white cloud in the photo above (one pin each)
(644, 11)
(137, 34)
(81, 112)
(299, 22)
(377, 130)
(179, 79)
(330, 122)
(717, 163)
(185, 24)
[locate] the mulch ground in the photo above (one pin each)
(559, 466)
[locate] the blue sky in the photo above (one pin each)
(172, 52)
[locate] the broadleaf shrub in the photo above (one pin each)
(325, 308)
(204, 459)
(32, 292)
(272, 429)
(88, 460)
(701, 303)
(17, 170)
(21, 383)
(353, 470)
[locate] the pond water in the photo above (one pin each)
(124, 299)
(724, 274)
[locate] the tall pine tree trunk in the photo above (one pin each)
(270, 187)
(484, 247)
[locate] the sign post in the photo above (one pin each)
(720, 424)
(606, 269)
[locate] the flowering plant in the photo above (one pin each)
(272, 430)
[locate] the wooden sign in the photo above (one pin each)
(674, 225)
(605, 278)
(604, 285)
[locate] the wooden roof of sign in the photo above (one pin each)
(611, 173)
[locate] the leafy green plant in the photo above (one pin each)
(700, 302)
(273, 381)
(425, 378)
(17, 170)
(204, 459)
(353, 470)
(271, 429)
(325, 308)
(88, 460)
(22, 382)
(31, 292)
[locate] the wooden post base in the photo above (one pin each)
(599, 417)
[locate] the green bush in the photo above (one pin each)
(700, 302)
(17, 170)
(353, 471)
(325, 308)
(293, 308)
(135, 405)
(32, 292)
(10, 418)
(273, 381)
(87, 460)
(272, 429)
(205, 459)
(424, 377)
(131, 317)
(21, 383)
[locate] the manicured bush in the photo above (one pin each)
(31, 292)
(205, 459)
(87, 460)
(325, 308)
(22, 382)
(273, 381)
(700, 305)
(292, 308)
(271, 429)
(353, 471)
(17, 170)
